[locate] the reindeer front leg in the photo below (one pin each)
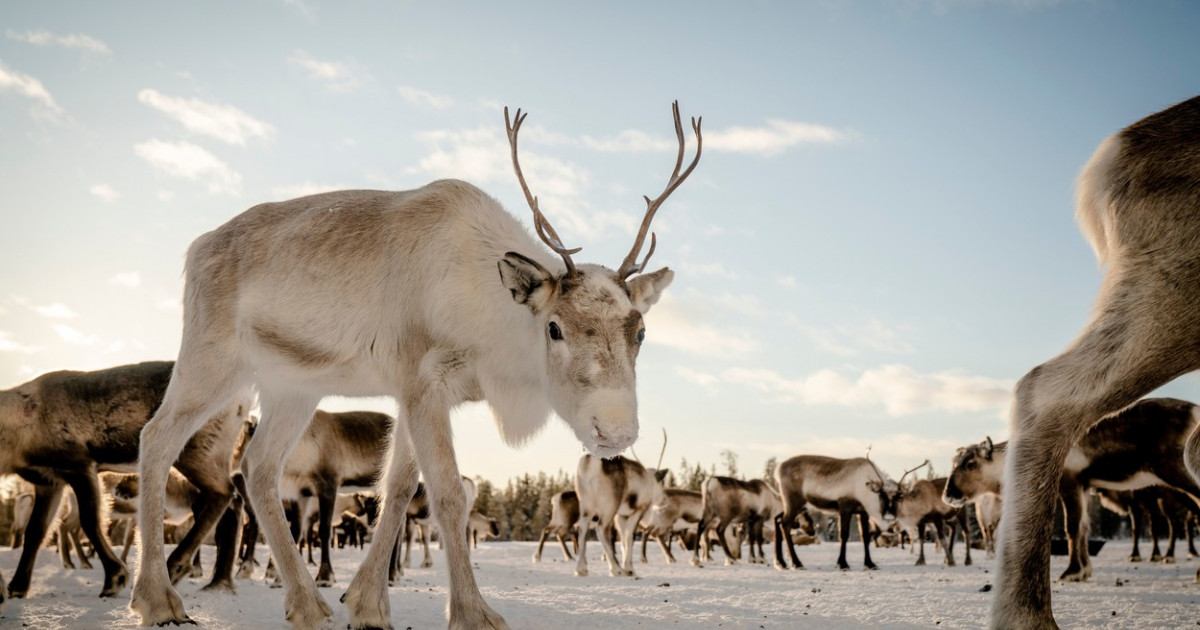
(1075, 513)
(46, 499)
(429, 428)
(367, 597)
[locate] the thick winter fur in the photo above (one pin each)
(564, 514)
(1137, 204)
(63, 427)
(614, 493)
(846, 487)
(1139, 447)
(728, 502)
(681, 513)
(921, 504)
(435, 296)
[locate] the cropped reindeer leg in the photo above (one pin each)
(326, 495)
(429, 428)
(864, 532)
(285, 416)
(1108, 368)
(46, 499)
(87, 493)
(1074, 502)
(367, 597)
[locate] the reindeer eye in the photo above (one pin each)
(641, 336)
(555, 332)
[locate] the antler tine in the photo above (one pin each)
(541, 225)
(658, 466)
(913, 470)
(630, 265)
(882, 479)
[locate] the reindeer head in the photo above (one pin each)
(592, 317)
(973, 472)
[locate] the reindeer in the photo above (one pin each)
(1165, 507)
(22, 511)
(681, 513)
(922, 505)
(63, 427)
(845, 487)
(481, 525)
(614, 493)
(987, 514)
(730, 502)
(434, 296)
(1136, 204)
(564, 514)
(1139, 447)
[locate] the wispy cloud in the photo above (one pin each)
(307, 8)
(188, 161)
(76, 338)
(130, 279)
(223, 122)
(673, 324)
(423, 98)
(898, 389)
(55, 311)
(7, 344)
(849, 340)
(711, 270)
(787, 282)
(337, 76)
(104, 192)
(31, 88)
(77, 41)
(303, 189)
(772, 138)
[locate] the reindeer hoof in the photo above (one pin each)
(220, 586)
(306, 611)
(115, 584)
(1168, 560)
(583, 572)
(1135, 558)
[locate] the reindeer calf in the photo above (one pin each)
(564, 514)
(614, 493)
(729, 502)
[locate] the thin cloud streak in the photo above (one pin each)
(188, 161)
(29, 87)
(898, 389)
(77, 41)
(223, 122)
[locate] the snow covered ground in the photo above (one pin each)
(548, 595)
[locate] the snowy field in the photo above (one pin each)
(548, 595)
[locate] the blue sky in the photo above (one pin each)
(876, 244)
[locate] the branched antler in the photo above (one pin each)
(630, 265)
(544, 230)
(912, 470)
(882, 479)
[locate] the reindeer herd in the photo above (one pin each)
(438, 296)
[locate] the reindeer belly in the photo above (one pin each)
(1140, 479)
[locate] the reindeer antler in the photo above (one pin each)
(913, 470)
(544, 230)
(630, 266)
(882, 479)
(658, 466)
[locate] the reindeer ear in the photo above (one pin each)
(987, 447)
(660, 475)
(875, 486)
(644, 290)
(530, 283)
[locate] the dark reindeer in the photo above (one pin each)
(62, 428)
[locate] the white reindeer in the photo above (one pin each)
(435, 296)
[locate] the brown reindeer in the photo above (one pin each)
(1137, 204)
(63, 427)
